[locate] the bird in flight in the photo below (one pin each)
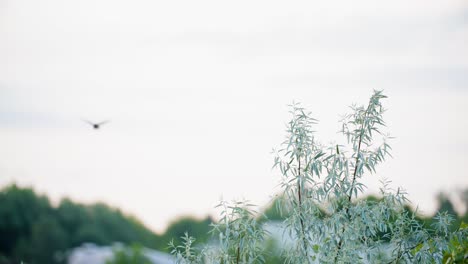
(96, 125)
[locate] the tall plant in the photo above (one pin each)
(323, 217)
(320, 184)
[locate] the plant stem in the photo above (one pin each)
(238, 253)
(299, 195)
(357, 156)
(340, 243)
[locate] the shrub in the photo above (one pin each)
(322, 215)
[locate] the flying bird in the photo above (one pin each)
(96, 125)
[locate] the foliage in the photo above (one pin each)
(329, 177)
(272, 252)
(240, 239)
(177, 229)
(185, 253)
(240, 236)
(318, 204)
(322, 215)
(314, 175)
(34, 231)
(131, 255)
(458, 248)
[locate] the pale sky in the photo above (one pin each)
(197, 95)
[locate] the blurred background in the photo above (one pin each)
(196, 96)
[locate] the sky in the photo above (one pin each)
(197, 92)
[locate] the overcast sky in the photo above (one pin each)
(197, 95)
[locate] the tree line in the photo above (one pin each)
(34, 231)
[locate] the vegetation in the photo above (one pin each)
(177, 229)
(323, 216)
(131, 255)
(241, 239)
(319, 204)
(33, 231)
(69, 225)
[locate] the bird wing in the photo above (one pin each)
(103, 122)
(87, 121)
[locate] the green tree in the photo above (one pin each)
(33, 231)
(19, 211)
(445, 205)
(48, 241)
(199, 228)
(72, 217)
(273, 211)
